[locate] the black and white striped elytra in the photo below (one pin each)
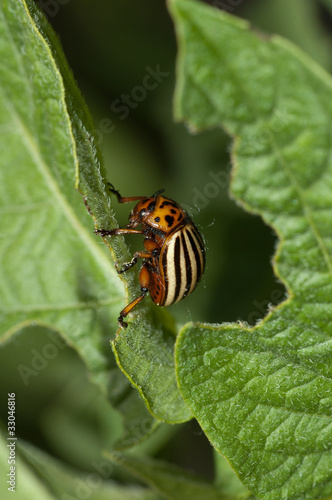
(182, 262)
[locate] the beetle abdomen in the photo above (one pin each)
(183, 260)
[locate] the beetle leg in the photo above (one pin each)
(117, 231)
(124, 199)
(144, 279)
(151, 246)
(128, 199)
(137, 255)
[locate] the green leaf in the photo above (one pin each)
(50, 380)
(172, 482)
(55, 270)
(145, 350)
(263, 395)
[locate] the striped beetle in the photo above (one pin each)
(174, 255)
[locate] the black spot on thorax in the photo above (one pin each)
(170, 220)
(166, 203)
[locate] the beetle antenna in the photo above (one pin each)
(157, 193)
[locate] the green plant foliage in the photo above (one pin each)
(45, 478)
(307, 32)
(170, 481)
(263, 395)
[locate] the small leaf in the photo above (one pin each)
(145, 353)
(263, 395)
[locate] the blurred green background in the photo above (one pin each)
(112, 46)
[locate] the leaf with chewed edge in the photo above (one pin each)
(263, 395)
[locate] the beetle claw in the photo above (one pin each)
(121, 322)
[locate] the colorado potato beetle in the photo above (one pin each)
(174, 255)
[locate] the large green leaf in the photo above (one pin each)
(54, 269)
(145, 350)
(263, 395)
